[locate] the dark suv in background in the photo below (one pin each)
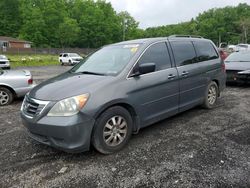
(122, 88)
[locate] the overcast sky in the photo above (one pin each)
(163, 12)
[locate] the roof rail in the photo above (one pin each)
(187, 36)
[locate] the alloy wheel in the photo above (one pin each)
(115, 131)
(212, 95)
(4, 98)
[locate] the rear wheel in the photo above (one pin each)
(112, 130)
(211, 95)
(6, 96)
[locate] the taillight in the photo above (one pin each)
(30, 81)
(223, 67)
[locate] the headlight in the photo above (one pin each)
(69, 106)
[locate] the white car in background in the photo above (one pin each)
(69, 58)
(4, 62)
(242, 47)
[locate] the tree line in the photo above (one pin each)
(89, 23)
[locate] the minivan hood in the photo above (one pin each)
(66, 85)
(241, 66)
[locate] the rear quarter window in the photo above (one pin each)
(205, 51)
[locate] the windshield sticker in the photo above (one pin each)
(133, 50)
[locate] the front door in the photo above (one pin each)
(156, 93)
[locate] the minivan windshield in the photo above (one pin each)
(238, 57)
(108, 60)
(3, 57)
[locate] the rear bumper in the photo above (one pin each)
(70, 134)
(74, 62)
(20, 92)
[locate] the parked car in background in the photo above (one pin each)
(242, 47)
(122, 88)
(14, 83)
(4, 62)
(69, 58)
(231, 48)
(238, 67)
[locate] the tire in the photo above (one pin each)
(211, 95)
(6, 96)
(61, 63)
(117, 123)
(70, 63)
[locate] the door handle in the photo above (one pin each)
(171, 76)
(184, 73)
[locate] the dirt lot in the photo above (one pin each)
(198, 148)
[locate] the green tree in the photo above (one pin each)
(9, 18)
(129, 26)
(68, 32)
(33, 25)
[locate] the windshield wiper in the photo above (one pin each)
(93, 73)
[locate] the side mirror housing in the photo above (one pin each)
(146, 68)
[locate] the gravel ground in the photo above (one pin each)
(198, 148)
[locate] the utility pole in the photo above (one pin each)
(124, 29)
(245, 34)
(219, 39)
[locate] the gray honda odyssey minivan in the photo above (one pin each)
(122, 88)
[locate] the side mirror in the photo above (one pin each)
(146, 68)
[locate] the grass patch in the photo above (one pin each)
(32, 60)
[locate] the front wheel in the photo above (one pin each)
(211, 95)
(112, 130)
(61, 63)
(6, 96)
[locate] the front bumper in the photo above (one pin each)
(70, 134)
(5, 66)
(237, 77)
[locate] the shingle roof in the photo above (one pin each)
(10, 39)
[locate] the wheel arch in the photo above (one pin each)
(9, 88)
(126, 106)
(218, 85)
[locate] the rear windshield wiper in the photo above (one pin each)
(93, 73)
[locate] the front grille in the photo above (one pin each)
(32, 107)
(2, 63)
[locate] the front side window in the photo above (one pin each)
(109, 60)
(205, 51)
(184, 53)
(158, 54)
